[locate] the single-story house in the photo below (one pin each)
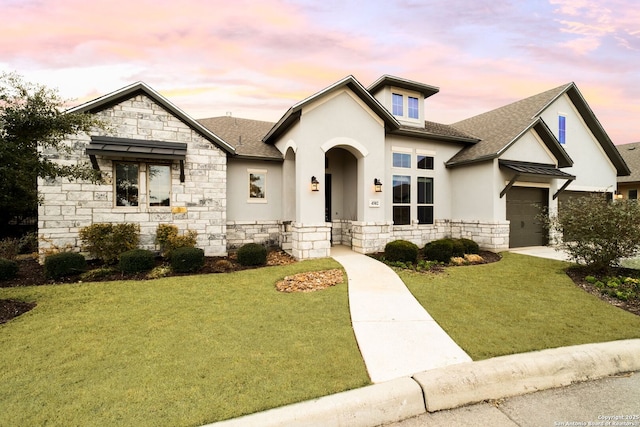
(351, 165)
(629, 185)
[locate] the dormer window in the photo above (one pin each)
(413, 110)
(397, 104)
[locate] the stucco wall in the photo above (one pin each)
(592, 168)
(242, 208)
(197, 204)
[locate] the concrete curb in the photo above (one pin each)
(373, 405)
(507, 376)
(453, 386)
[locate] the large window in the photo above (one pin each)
(413, 109)
(425, 200)
(126, 184)
(397, 102)
(562, 129)
(159, 185)
(633, 194)
(401, 199)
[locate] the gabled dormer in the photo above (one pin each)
(403, 98)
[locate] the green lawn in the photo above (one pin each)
(518, 304)
(180, 351)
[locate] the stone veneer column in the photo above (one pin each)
(310, 240)
(369, 237)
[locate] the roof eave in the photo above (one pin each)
(430, 135)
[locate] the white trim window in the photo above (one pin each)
(257, 188)
(127, 188)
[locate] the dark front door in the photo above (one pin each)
(327, 197)
(523, 206)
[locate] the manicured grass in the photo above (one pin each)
(518, 304)
(179, 351)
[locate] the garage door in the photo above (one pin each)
(523, 205)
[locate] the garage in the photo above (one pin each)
(524, 204)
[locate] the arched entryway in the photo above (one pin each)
(341, 193)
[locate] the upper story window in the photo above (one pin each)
(413, 109)
(397, 104)
(401, 160)
(562, 129)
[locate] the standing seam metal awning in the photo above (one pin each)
(534, 169)
(136, 148)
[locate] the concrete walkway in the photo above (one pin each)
(542, 252)
(396, 336)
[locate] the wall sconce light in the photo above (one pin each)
(314, 184)
(377, 185)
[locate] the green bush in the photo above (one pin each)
(252, 254)
(401, 251)
(107, 241)
(64, 264)
(187, 259)
(596, 231)
(136, 260)
(470, 247)
(8, 269)
(168, 239)
(439, 250)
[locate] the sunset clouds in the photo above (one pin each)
(257, 58)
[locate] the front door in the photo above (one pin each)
(523, 206)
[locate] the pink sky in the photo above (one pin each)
(257, 58)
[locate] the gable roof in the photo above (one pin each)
(631, 155)
(387, 80)
(293, 114)
(138, 88)
(500, 128)
(246, 136)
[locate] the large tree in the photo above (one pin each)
(33, 126)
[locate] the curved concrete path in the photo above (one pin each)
(396, 336)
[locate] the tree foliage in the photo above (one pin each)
(33, 127)
(596, 231)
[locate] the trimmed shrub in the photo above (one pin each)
(401, 251)
(107, 241)
(8, 269)
(136, 260)
(439, 250)
(470, 247)
(187, 259)
(252, 254)
(64, 264)
(168, 239)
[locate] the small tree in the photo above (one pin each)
(596, 231)
(32, 125)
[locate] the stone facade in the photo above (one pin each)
(198, 203)
(268, 233)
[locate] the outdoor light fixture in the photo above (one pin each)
(314, 184)
(377, 185)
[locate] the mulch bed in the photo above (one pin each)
(31, 273)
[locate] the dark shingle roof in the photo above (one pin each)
(244, 135)
(631, 155)
(498, 128)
